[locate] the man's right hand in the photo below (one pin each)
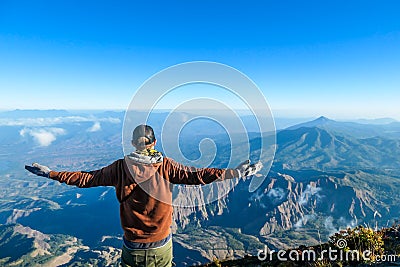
(246, 169)
(38, 169)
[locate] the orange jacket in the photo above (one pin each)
(144, 191)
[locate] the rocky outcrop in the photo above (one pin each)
(284, 202)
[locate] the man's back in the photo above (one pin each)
(144, 190)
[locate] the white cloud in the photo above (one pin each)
(344, 223)
(310, 191)
(277, 193)
(256, 196)
(96, 127)
(44, 137)
(32, 122)
(328, 223)
(303, 220)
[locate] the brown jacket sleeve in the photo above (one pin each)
(181, 174)
(103, 177)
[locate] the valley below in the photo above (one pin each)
(326, 176)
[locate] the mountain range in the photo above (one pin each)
(326, 175)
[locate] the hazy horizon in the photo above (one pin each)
(276, 115)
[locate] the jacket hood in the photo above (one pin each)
(146, 156)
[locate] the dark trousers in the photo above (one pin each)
(153, 257)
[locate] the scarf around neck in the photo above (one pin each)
(146, 156)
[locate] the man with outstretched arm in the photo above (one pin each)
(143, 183)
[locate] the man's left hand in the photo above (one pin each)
(246, 169)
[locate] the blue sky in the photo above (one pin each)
(335, 58)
